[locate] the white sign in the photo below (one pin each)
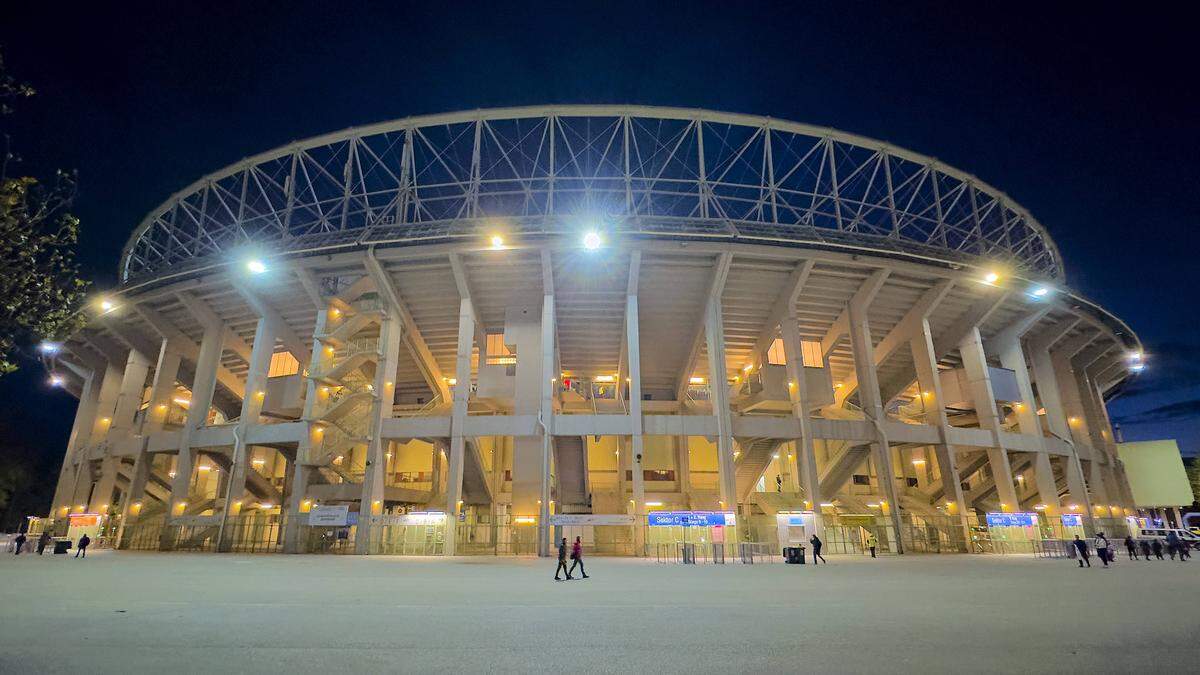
(413, 518)
(328, 515)
(591, 519)
(193, 521)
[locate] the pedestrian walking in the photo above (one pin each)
(43, 542)
(562, 561)
(20, 542)
(83, 544)
(577, 557)
(1156, 545)
(816, 544)
(1081, 546)
(1131, 547)
(872, 543)
(1102, 548)
(1145, 546)
(1175, 545)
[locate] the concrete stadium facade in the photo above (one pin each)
(472, 332)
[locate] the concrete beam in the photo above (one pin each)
(291, 341)
(716, 286)
(412, 334)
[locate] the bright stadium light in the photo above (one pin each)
(56, 381)
(256, 266)
(991, 277)
(1039, 292)
(107, 305)
(48, 347)
(592, 240)
(497, 242)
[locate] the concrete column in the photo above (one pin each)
(106, 405)
(129, 399)
(80, 431)
(256, 392)
(546, 407)
(805, 454)
(382, 408)
(1012, 357)
(162, 389)
(975, 364)
(131, 503)
(872, 405)
(683, 467)
(1050, 393)
(203, 386)
(458, 420)
(633, 351)
(301, 468)
(930, 385)
(714, 335)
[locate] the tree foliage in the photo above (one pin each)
(40, 288)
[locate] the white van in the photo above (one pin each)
(1189, 539)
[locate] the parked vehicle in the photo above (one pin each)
(1189, 538)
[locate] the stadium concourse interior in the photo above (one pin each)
(455, 397)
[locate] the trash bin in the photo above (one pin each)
(61, 546)
(689, 554)
(793, 555)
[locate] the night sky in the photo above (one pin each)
(1087, 118)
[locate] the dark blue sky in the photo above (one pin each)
(1088, 117)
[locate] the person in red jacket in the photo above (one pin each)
(577, 556)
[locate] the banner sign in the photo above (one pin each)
(84, 519)
(196, 521)
(690, 519)
(328, 515)
(592, 519)
(1072, 520)
(1012, 519)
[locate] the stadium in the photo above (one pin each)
(473, 333)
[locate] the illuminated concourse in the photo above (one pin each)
(475, 332)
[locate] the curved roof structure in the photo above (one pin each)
(633, 169)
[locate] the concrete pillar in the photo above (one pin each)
(300, 469)
(714, 335)
(1046, 371)
(872, 406)
(80, 431)
(162, 389)
(683, 467)
(975, 365)
(131, 503)
(805, 455)
(1012, 357)
(129, 399)
(106, 405)
(633, 351)
(256, 392)
(203, 386)
(382, 408)
(458, 420)
(546, 406)
(930, 384)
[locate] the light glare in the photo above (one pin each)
(592, 241)
(256, 266)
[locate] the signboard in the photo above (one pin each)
(1072, 520)
(84, 519)
(329, 515)
(1012, 519)
(690, 519)
(592, 519)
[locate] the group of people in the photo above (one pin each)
(44, 540)
(576, 556)
(1175, 546)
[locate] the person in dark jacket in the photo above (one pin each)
(1131, 547)
(562, 561)
(1081, 546)
(43, 542)
(577, 557)
(19, 542)
(816, 544)
(1145, 547)
(1156, 546)
(83, 544)
(1175, 545)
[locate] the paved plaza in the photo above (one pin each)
(131, 612)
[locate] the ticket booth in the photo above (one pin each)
(1013, 531)
(794, 529)
(84, 523)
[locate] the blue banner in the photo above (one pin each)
(1072, 520)
(1012, 519)
(689, 518)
